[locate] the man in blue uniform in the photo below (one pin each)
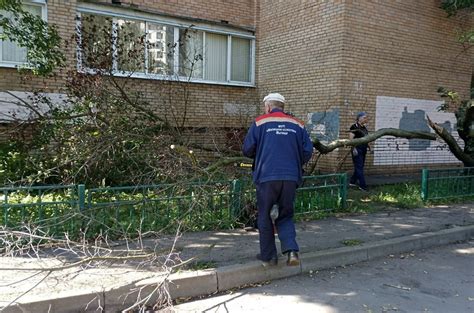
(279, 145)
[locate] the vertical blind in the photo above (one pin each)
(216, 57)
(240, 59)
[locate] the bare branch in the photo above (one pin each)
(27, 291)
(226, 161)
(25, 104)
(124, 95)
(324, 149)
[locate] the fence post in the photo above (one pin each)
(424, 184)
(343, 190)
(81, 196)
(235, 197)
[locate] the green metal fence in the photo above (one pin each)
(39, 205)
(447, 183)
(118, 210)
(321, 193)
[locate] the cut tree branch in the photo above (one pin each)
(324, 149)
(226, 161)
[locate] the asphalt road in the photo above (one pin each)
(436, 280)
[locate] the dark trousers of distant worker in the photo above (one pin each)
(281, 192)
(359, 161)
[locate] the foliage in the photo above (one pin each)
(453, 6)
(42, 40)
(121, 210)
(464, 112)
(467, 37)
(107, 132)
(13, 161)
(462, 108)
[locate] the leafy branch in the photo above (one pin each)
(41, 40)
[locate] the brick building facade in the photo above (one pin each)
(328, 58)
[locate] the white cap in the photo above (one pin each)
(275, 97)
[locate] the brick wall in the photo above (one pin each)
(237, 12)
(343, 54)
(404, 49)
(300, 55)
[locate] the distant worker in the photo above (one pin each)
(359, 130)
(279, 145)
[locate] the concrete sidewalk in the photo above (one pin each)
(323, 244)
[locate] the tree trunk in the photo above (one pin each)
(464, 156)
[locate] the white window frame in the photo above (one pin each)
(44, 16)
(118, 13)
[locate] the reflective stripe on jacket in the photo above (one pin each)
(279, 145)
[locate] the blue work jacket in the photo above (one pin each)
(279, 145)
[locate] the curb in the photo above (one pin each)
(204, 282)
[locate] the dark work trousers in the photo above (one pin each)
(359, 161)
(281, 192)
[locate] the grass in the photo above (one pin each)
(394, 196)
(352, 242)
(401, 196)
(200, 265)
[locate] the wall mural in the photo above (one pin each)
(323, 125)
(410, 114)
(11, 107)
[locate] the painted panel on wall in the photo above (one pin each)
(410, 114)
(238, 109)
(12, 108)
(323, 125)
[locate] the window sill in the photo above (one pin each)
(170, 78)
(13, 65)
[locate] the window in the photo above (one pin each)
(130, 46)
(96, 40)
(11, 54)
(240, 60)
(190, 53)
(160, 43)
(146, 48)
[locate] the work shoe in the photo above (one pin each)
(293, 259)
(271, 262)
